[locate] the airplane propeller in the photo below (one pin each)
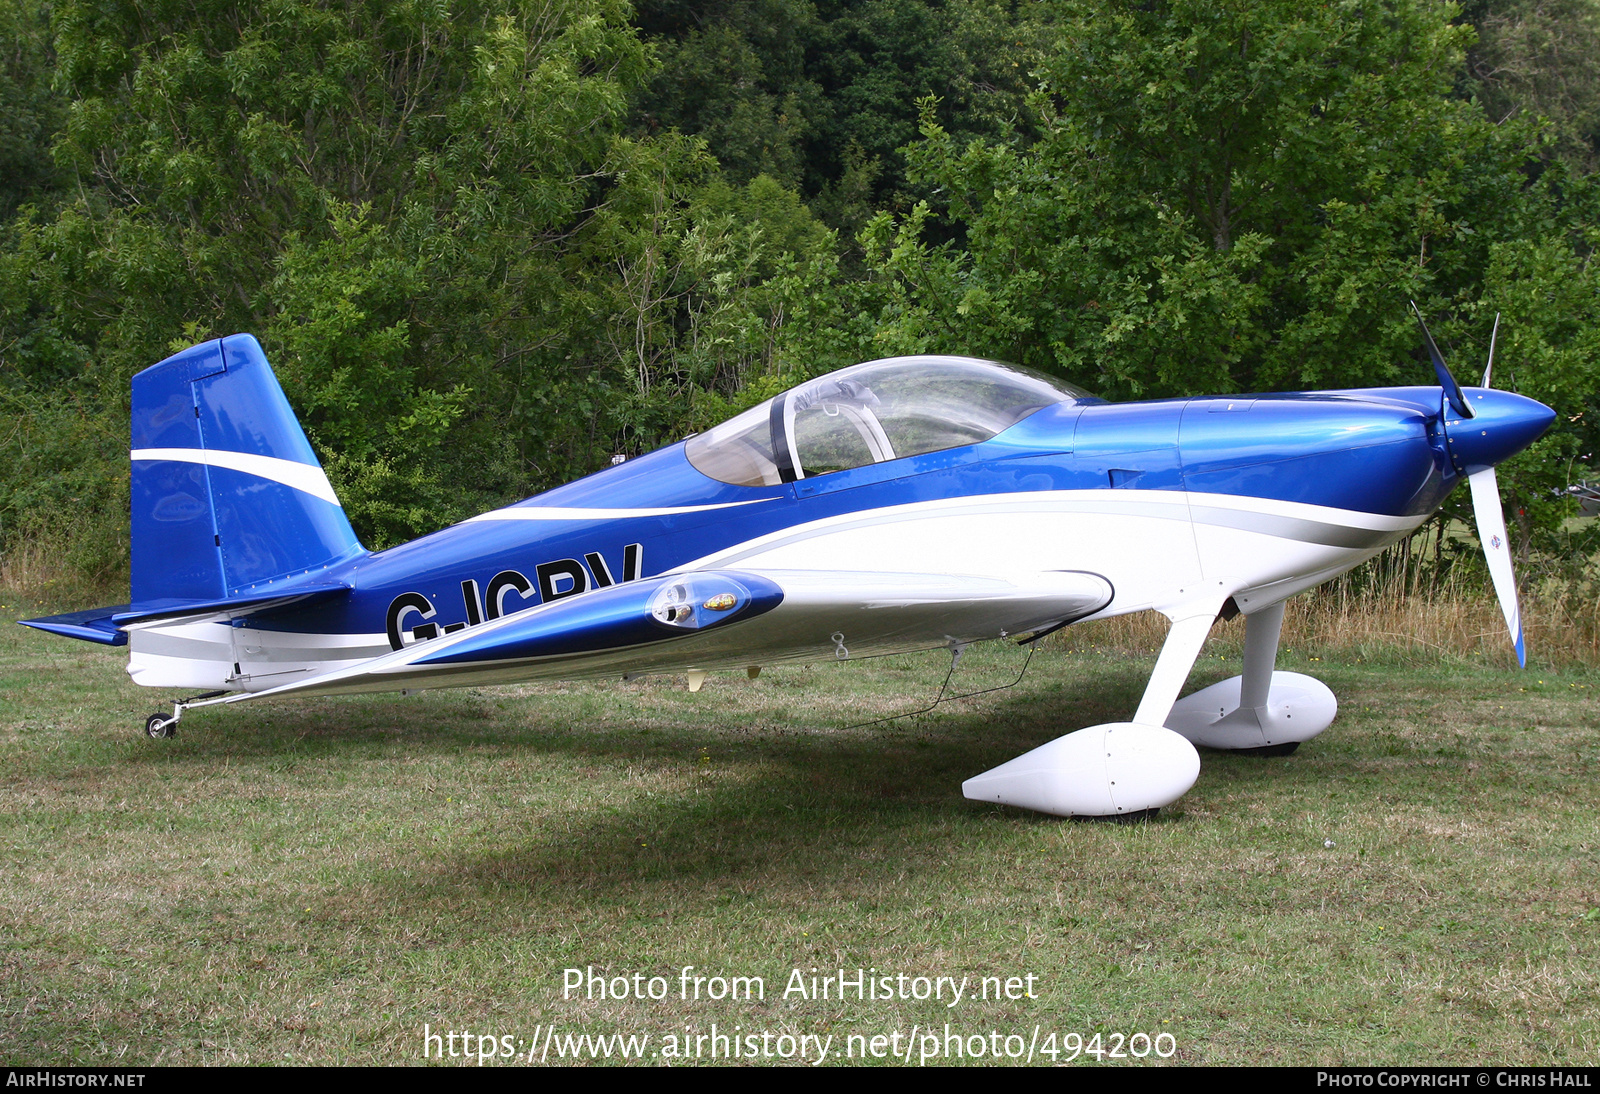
(1486, 510)
(1452, 390)
(1497, 552)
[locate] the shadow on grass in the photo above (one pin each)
(789, 793)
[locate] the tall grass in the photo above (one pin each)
(1427, 597)
(1424, 598)
(1455, 623)
(55, 570)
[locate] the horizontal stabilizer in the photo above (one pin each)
(173, 609)
(106, 625)
(94, 625)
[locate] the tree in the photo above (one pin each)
(1541, 58)
(30, 111)
(430, 216)
(1227, 197)
(1234, 197)
(821, 94)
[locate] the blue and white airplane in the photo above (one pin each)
(899, 505)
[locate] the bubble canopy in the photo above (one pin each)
(882, 410)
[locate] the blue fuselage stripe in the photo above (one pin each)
(1372, 456)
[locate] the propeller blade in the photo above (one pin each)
(1497, 551)
(1452, 390)
(1488, 368)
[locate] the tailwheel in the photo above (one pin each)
(160, 726)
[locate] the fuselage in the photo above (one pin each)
(1260, 496)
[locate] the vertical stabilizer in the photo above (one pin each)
(227, 495)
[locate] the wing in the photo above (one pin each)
(713, 619)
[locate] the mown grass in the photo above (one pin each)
(314, 881)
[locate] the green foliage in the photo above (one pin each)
(736, 75)
(29, 110)
(1244, 197)
(66, 466)
(1548, 290)
(472, 284)
(487, 246)
(1225, 198)
(342, 338)
(877, 58)
(1541, 58)
(821, 94)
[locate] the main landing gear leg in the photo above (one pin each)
(1261, 712)
(1118, 770)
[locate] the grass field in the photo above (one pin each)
(317, 881)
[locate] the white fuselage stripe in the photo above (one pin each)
(559, 512)
(305, 477)
(1137, 540)
(1286, 519)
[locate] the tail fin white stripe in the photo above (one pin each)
(301, 476)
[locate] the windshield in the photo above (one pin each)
(882, 410)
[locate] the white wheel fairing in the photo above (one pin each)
(1102, 771)
(1298, 708)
